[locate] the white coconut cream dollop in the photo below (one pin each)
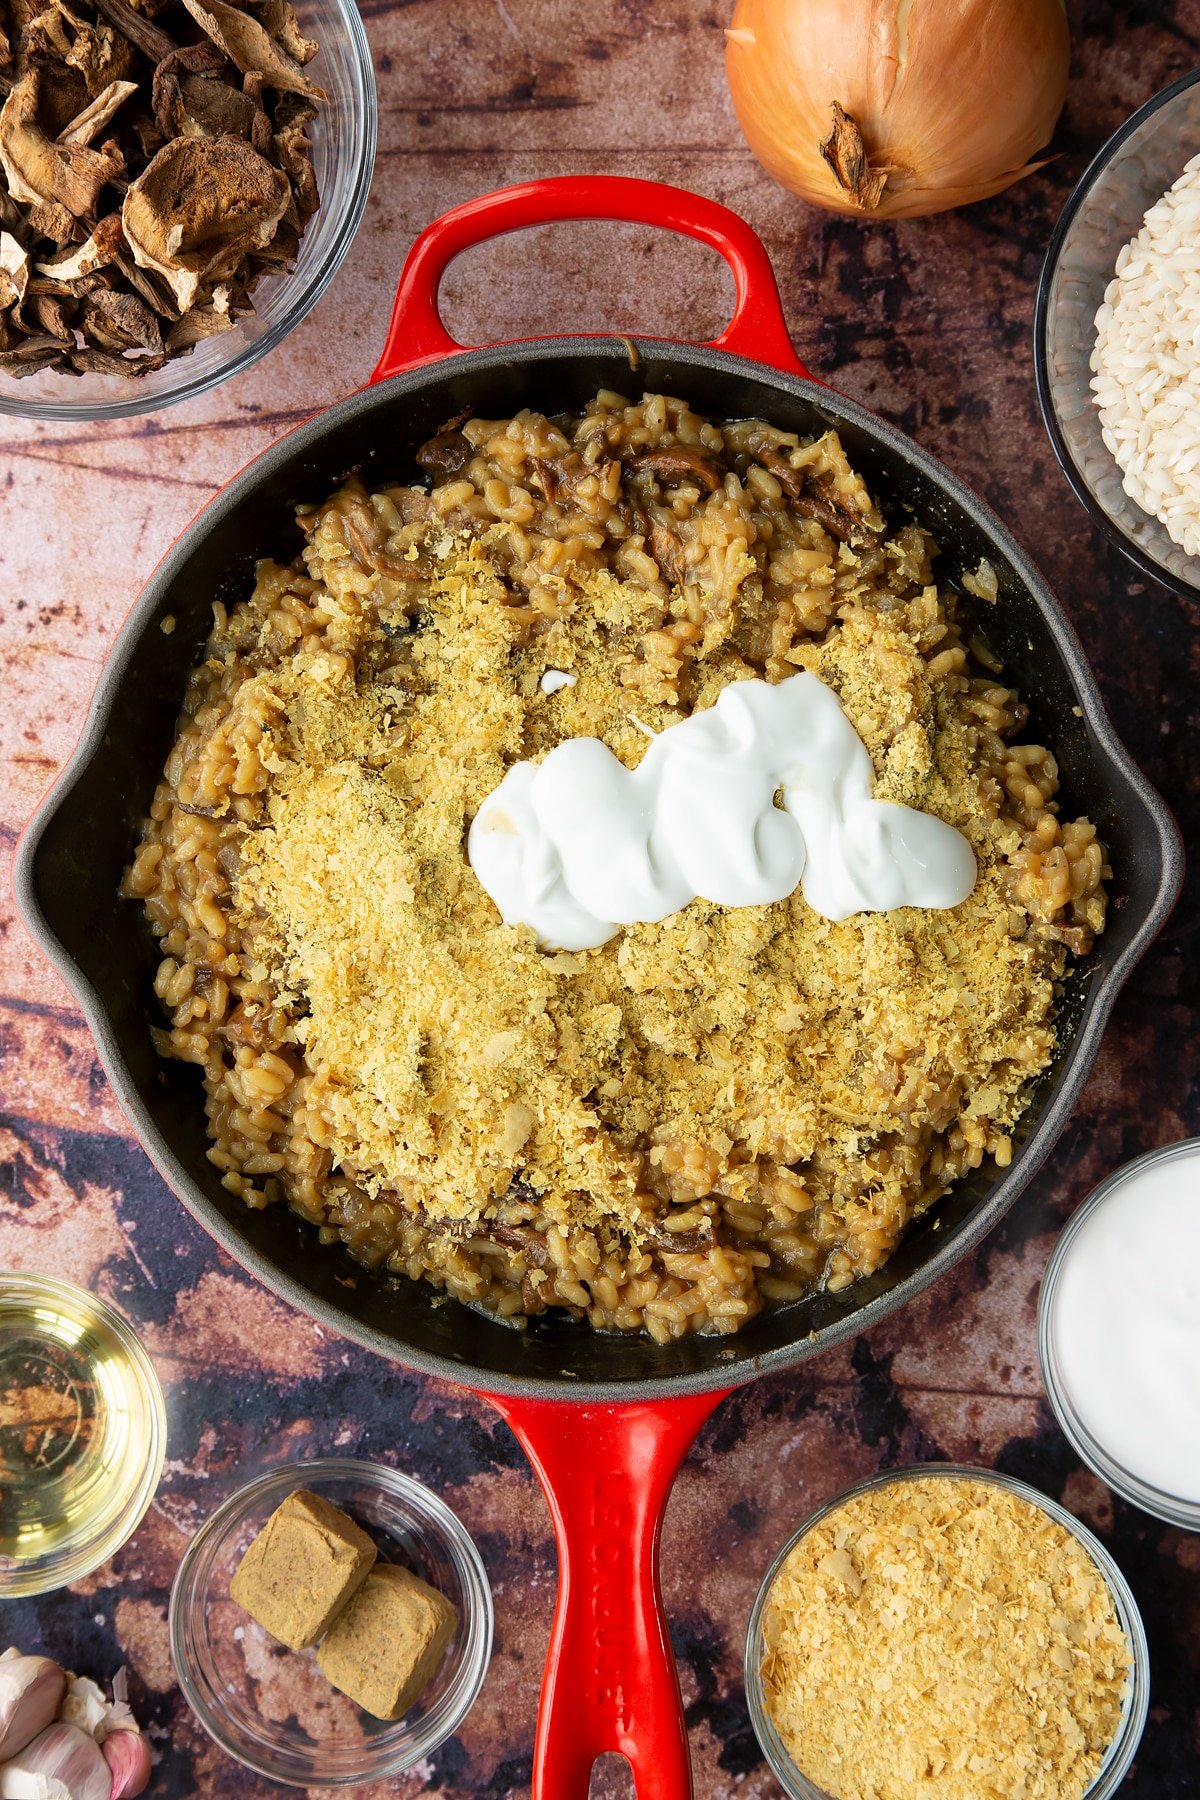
(578, 845)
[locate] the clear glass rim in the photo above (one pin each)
(77, 1558)
(452, 1706)
(307, 291)
(1123, 1748)
(1169, 1507)
(1047, 402)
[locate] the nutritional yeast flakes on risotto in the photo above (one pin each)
(729, 1107)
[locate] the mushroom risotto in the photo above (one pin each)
(733, 1105)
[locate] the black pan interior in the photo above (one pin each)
(77, 850)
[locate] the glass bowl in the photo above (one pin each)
(1137, 164)
(1176, 1509)
(1137, 1699)
(343, 150)
(271, 1708)
(82, 1433)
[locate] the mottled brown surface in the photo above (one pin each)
(927, 321)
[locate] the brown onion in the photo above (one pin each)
(889, 108)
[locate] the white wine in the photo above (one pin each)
(81, 1433)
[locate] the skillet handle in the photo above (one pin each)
(757, 329)
(610, 1680)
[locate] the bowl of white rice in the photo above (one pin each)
(1117, 337)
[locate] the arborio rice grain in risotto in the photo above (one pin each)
(730, 1107)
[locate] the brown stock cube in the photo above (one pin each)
(386, 1646)
(308, 1560)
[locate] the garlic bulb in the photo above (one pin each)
(889, 108)
(31, 1691)
(62, 1763)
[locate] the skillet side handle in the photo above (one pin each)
(610, 1680)
(757, 329)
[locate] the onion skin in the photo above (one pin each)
(952, 97)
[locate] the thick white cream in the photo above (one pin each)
(577, 845)
(1125, 1324)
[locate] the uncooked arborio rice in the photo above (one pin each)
(1147, 362)
(729, 1107)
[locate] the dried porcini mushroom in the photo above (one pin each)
(251, 47)
(43, 172)
(29, 355)
(49, 313)
(202, 322)
(95, 253)
(280, 21)
(293, 147)
(136, 29)
(199, 209)
(190, 99)
(88, 124)
(79, 58)
(14, 272)
(49, 220)
(120, 323)
(155, 164)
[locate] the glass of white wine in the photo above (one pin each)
(82, 1433)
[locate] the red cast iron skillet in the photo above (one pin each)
(606, 1420)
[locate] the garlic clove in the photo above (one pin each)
(21, 1784)
(31, 1691)
(84, 1705)
(128, 1756)
(62, 1763)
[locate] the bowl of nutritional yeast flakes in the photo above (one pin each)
(950, 1629)
(1128, 435)
(605, 1417)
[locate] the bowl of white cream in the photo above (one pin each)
(1119, 1332)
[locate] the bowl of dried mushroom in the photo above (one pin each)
(179, 181)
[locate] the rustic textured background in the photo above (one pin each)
(928, 322)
